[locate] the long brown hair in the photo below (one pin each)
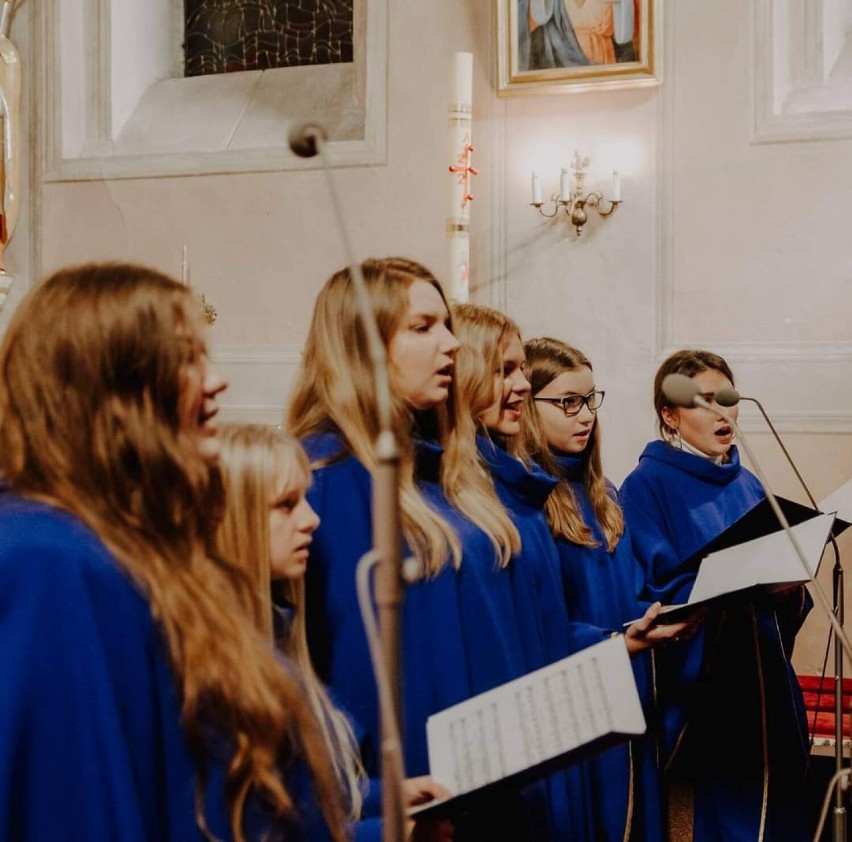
(92, 374)
(546, 359)
(335, 388)
(260, 465)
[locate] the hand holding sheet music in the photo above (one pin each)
(535, 724)
(769, 560)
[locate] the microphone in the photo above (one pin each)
(304, 139)
(731, 397)
(308, 140)
(683, 391)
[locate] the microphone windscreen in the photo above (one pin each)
(727, 397)
(680, 390)
(303, 139)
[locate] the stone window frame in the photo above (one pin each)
(83, 98)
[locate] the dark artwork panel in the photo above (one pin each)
(223, 36)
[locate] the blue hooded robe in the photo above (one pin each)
(460, 631)
(599, 588)
(550, 633)
(91, 745)
(734, 735)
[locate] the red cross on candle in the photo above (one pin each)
(464, 169)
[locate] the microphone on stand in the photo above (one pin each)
(308, 140)
(304, 139)
(731, 397)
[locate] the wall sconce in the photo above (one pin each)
(572, 197)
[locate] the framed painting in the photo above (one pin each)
(553, 46)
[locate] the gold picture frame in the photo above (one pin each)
(561, 46)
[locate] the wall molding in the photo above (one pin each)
(259, 376)
(826, 422)
(770, 352)
(788, 87)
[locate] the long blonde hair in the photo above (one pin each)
(546, 360)
(259, 465)
(92, 372)
(335, 388)
(484, 333)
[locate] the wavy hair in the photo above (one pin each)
(689, 362)
(93, 370)
(484, 333)
(260, 465)
(546, 359)
(335, 389)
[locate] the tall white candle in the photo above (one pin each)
(459, 194)
(616, 186)
(565, 185)
(536, 189)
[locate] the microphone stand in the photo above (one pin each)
(839, 823)
(307, 141)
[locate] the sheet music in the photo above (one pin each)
(768, 560)
(840, 501)
(535, 718)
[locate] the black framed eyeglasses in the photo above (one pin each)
(573, 404)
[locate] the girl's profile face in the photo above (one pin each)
(292, 523)
(705, 431)
(422, 352)
(200, 387)
(567, 433)
(511, 389)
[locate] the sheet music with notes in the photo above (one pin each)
(535, 719)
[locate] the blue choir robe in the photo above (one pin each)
(434, 665)
(91, 746)
(457, 629)
(733, 730)
(599, 589)
(549, 633)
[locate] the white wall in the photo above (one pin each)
(720, 242)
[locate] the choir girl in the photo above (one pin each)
(267, 528)
(137, 701)
(734, 739)
(492, 377)
(457, 630)
(562, 434)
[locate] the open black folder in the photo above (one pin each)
(526, 729)
(755, 552)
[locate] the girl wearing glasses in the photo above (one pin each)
(456, 631)
(734, 739)
(562, 434)
(492, 380)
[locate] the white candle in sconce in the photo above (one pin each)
(565, 186)
(616, 186)
(536, 189)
